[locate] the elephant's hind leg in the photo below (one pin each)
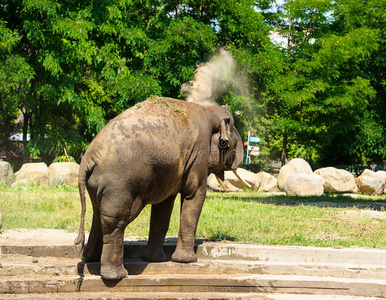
(159, 225)
(112, 254)
(117, 211)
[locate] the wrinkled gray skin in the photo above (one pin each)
(147, 155)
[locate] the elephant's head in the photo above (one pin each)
(226, 147)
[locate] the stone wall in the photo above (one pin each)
(296, 178)
(40, 173)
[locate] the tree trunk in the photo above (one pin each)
(284, 150)
(289, 37)
(26, 120)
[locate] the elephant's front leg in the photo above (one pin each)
(191, 205)
(159, 225)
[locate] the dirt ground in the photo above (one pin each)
(37, 236)
(366, 213)
(42, 236)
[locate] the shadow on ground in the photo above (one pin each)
(327, 200)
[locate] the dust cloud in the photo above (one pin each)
(212, 79)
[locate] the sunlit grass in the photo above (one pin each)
(241, 217)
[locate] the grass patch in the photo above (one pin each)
(40, 206)
(327, 221)
(281, 220)
(173, 106)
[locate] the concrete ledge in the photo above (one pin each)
(227, 251)
(59, 243)
(204, 283)
(246, 267)
(291, 253)
(183, 295)
(29, 267)
(17, 265)
(40, 251)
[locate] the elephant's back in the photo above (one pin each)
(157, 125)
(161, 107)
(154, 118)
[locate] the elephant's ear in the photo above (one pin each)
(238, 152)
(219, 144)
(214, 155)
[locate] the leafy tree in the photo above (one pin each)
(85, 62)
(73, 51)
(15, 77)
(323, 91)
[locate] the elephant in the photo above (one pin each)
(147, 155)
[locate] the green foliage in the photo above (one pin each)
(15, 76)
(172, 57)
(64, 158)
(323, 90)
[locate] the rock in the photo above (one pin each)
(19, 182)
(247, 176)
(63, 173)
(338, 180)
(296, 165)
(265, 182)
(33, 173)
(370, 182)
(300, 184)
(216, 186)
(6, 172)
(382, 174)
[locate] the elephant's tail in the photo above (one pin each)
(84, 170)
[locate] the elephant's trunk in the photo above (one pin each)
(239, 154)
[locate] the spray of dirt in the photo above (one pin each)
(213, 79)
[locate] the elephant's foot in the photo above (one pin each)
(113, 273)
(154, 255)
(184, 256)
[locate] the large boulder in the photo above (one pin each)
(248, 178)
(338, 180)
(370, 182)
(63, 173)
(20, 182)
(217, 185)
(300, 184)
(382, 174)
(33, 173)
(294, 166)
(265, 182)
(6, 172)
